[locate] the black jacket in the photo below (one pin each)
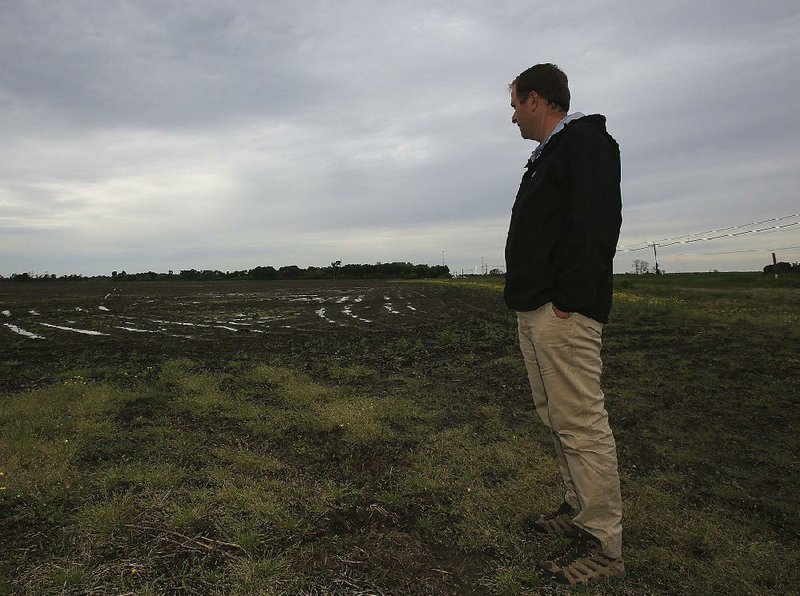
(565, 223)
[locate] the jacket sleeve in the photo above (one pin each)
(595, 217)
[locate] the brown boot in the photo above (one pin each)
(583, 563)
(558, 522)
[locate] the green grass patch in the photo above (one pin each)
(410, 461)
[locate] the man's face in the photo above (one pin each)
(523, 114)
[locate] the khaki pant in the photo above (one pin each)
(563, 361)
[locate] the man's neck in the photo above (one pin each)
(551, 120)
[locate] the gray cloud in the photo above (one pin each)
(151, 135)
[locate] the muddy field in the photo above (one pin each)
(92, 324)
(204, 312)
(379, 438)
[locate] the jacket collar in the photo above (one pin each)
(557, 129)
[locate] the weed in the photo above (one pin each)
(355, 373)
(173, 371)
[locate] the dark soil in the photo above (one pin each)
(219, 321)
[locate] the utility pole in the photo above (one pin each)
(442, 258)
(655, 255)
(775, 265)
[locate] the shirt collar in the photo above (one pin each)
(558, 127)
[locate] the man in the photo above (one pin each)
(561, 242)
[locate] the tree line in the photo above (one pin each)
(396, 270)
(641, 267)
(782, 267)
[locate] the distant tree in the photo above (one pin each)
(440, 271)
(782, 267)
(211, 274)
(289, 272)
(640, 267)
(267, 272)
(335, 267)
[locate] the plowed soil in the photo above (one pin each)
(46, 327)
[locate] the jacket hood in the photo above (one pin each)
(597, 120)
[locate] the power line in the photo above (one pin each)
(734, 252)
(752, 223)
(688, 238)
(733, 235)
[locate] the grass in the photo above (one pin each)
(413, 465)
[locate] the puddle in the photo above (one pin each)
(178, 323)
(304, 298)
(321, 314)
(83, 331)
(346, 310)
(22, 331)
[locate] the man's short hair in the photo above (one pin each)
(547, 80)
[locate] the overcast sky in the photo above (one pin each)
(157, 135)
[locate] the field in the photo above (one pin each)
(379, 438)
